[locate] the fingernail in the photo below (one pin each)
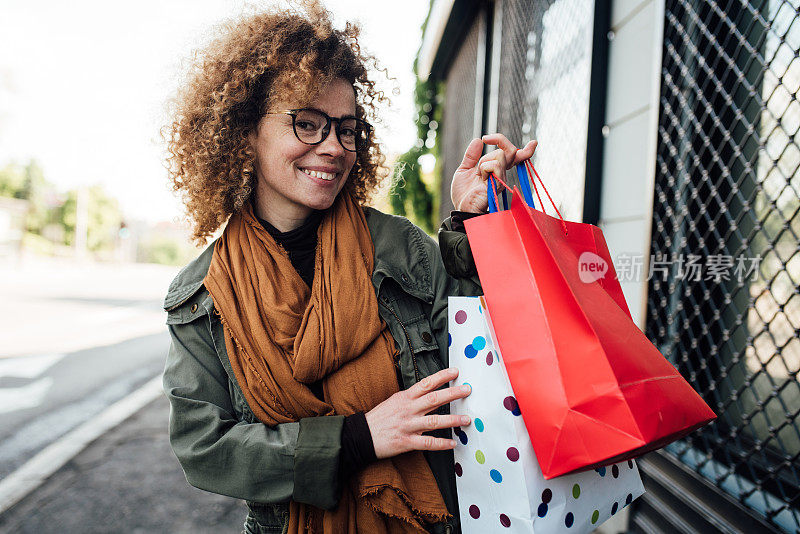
(464, 420)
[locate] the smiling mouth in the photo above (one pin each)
(327, 176)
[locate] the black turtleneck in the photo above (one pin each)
(301, 244)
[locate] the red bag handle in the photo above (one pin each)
(530, 167)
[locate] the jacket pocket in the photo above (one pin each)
(263, 518)
(412, 333)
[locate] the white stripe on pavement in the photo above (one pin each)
(28, 366)
(27, 396)
(35, 471)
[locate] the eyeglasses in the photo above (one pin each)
(312, 126)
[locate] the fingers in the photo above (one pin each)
(513, 155)
(501, 141)
(472, 154)
(437, 421)
(431, 443)
(494, 166)
(493, 162)
(433, 382)
(525, 152)
(434, 399)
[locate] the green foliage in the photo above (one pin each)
(104, 218)
(12, 181)
(27, 183)
(46, 207)
(407, 187)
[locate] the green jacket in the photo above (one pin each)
(220, 444)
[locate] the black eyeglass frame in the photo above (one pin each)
(326, 130)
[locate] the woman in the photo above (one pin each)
(309, 342)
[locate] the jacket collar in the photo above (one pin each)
(400, 254)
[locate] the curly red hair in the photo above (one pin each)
(276, 55)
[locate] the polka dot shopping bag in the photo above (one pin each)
(500, 485)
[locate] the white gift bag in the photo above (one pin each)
(500, 486)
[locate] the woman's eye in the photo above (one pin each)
(306, 125)
(347, 132)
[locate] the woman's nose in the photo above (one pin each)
(330, 145)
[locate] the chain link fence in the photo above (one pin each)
(543, 92)
(545, 63)
(723, 302)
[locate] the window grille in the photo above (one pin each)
(723, 304)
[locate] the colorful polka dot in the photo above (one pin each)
(547, 495)
(470, 352)
(628, 499)
(505, 521)
(569, 519)
(496, 476)
(489, 358)
(576, 491)
(513, 454)
(459, 470)
(462, 436)
(601, 471)
(480, 308)
(478, 425)
(474, 511)
(461, 316)
(449, 340)
(614, 471)
(479, 343)
(630, 464)
(595, 516)
(480, 457)
(614, 508)
(510, 404)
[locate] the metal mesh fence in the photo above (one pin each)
(723, 303)
(543, 93)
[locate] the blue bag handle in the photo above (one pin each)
(523, 177)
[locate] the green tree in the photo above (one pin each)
(28, 183)
(104, 218)
(408, 189)
(12, 181)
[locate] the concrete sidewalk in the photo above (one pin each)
(129, 481)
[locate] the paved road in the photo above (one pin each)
(67, 390)
(126, 481)
(76, 337)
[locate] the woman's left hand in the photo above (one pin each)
(468, 188)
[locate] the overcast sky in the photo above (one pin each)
(83, 84)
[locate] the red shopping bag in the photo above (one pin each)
(592, 389)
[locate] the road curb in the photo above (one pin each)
(35, 471)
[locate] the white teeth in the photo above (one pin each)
(319, 174)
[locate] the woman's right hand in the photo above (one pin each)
(397, 423)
